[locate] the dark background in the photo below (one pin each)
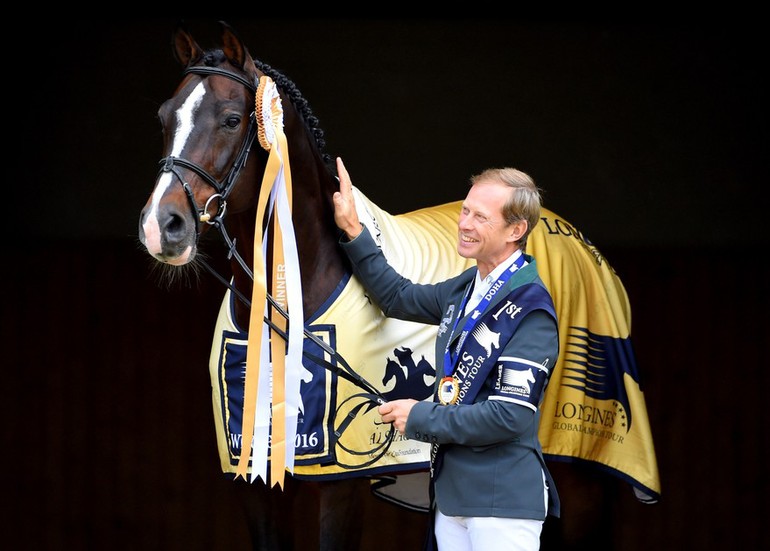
(650, 138)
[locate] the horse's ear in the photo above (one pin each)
(234, 49)
(186, 49)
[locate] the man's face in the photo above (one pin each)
(482, 232)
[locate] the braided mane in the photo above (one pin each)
(300, 104)
(214, 58)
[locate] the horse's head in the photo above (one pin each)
(216, 154)
(208, 129)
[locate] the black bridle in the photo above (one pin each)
(225, 187)
(370, 396)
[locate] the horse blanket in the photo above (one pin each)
(594, 409)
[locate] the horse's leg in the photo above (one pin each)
(269, 513)
(342, 505)
(587, 498)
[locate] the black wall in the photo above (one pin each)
(645, 135)
(650, 138)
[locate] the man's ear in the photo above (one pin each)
(518, 229)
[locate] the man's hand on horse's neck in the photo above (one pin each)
(345, 214)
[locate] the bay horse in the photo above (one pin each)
(210, 175)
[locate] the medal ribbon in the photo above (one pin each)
(450, 357)
(521, 301)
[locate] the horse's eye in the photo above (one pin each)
(233, 121)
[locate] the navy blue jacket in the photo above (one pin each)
(491, 459)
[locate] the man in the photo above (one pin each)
(496, 344)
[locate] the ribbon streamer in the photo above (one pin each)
(273, 367)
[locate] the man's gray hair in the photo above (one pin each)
(525, 200)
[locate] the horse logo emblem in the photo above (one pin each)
(597, 365)
(521, 379)
(486, 338)
(410, 379)
(444, 326)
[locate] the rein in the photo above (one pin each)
(370, 395)
(346, 373)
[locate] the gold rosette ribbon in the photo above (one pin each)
(273, 366)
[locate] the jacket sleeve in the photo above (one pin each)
(487, 422)
(397, 296)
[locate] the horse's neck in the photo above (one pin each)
(322, 266)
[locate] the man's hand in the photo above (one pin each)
(396, 412)
(345, 214)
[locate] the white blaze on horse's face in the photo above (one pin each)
(185, 117)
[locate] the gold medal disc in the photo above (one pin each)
(449, 391)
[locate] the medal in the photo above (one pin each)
(448, 391)
(449, 388)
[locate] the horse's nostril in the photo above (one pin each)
(175, 225)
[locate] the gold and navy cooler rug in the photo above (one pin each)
(594, 408)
